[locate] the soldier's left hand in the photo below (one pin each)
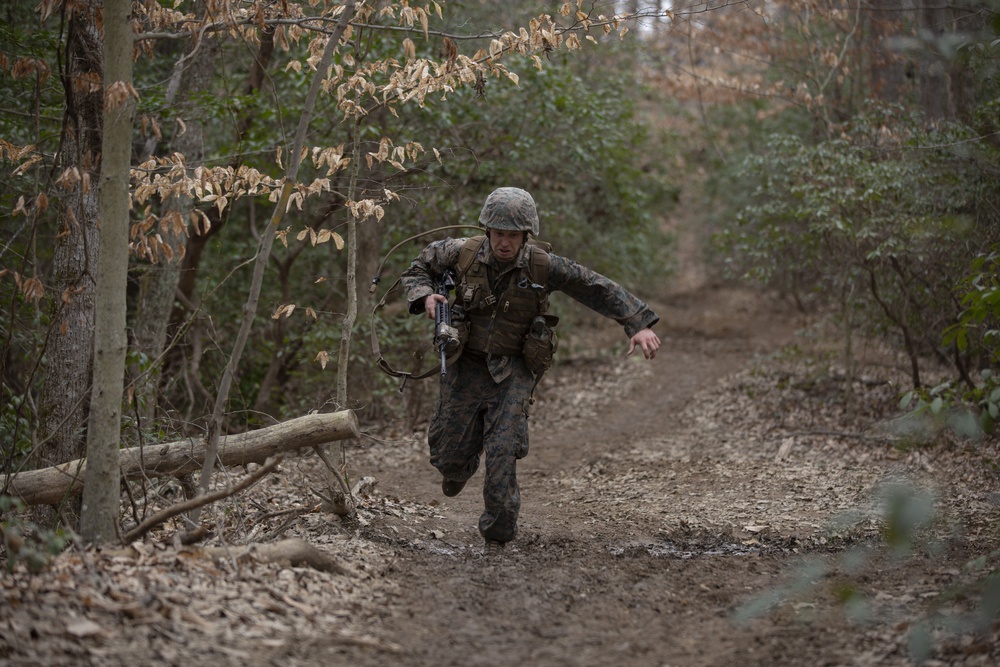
(647, 340)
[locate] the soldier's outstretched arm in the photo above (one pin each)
(605, 296)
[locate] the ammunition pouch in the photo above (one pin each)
(540, 344)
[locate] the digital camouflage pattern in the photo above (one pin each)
(475, 417)
(482, 409)
(511, 209)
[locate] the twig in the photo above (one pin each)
(280, 530)
(844, 434)
(336, 473)
(349, 501)
(199, 501)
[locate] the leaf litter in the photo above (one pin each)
(719, 504)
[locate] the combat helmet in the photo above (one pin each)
(511, 209)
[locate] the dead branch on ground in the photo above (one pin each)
(200, 500)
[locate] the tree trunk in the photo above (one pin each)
(62, 407)
(159, 280)
(364, 375)
(99, 511)
(933, 71)
(970, 19)
(197, 244)
(176, 459)
(351, 288)
(888, 67)
(281, 353)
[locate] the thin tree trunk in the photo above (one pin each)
(970, 18)
(197, 243)
(99, 512)
(281, 354)
(887, 66)
(933, 71)
(344, 355)
(900, 322)
(266, 242)
(847, 314)
(364, 376)
(159, 281)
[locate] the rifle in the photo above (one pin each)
(445, 335)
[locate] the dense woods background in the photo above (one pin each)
(843, 154)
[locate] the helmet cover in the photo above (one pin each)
(510, 209)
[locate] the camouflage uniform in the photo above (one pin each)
(484, 399)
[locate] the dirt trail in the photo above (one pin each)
(599, 574)
(650, 516)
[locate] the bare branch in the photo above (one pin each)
(200, 501)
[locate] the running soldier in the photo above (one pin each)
(500, 314)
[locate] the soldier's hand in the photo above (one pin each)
(647, 340)
(430, 304)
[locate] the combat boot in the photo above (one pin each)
(493, 548)
(451, 488)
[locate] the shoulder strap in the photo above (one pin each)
(467, 255)
(383, 364)
(539, 262)
(538, 266)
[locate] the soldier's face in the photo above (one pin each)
(505, 244)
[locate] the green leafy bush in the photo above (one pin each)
(24, 542)
(876, 222)
(969, 404)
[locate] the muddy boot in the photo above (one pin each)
(493, 548)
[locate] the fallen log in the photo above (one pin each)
(48, 486)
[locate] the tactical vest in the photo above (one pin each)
(499, 322)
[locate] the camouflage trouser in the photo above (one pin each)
(474, 416)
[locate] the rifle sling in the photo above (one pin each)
(381, 362)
